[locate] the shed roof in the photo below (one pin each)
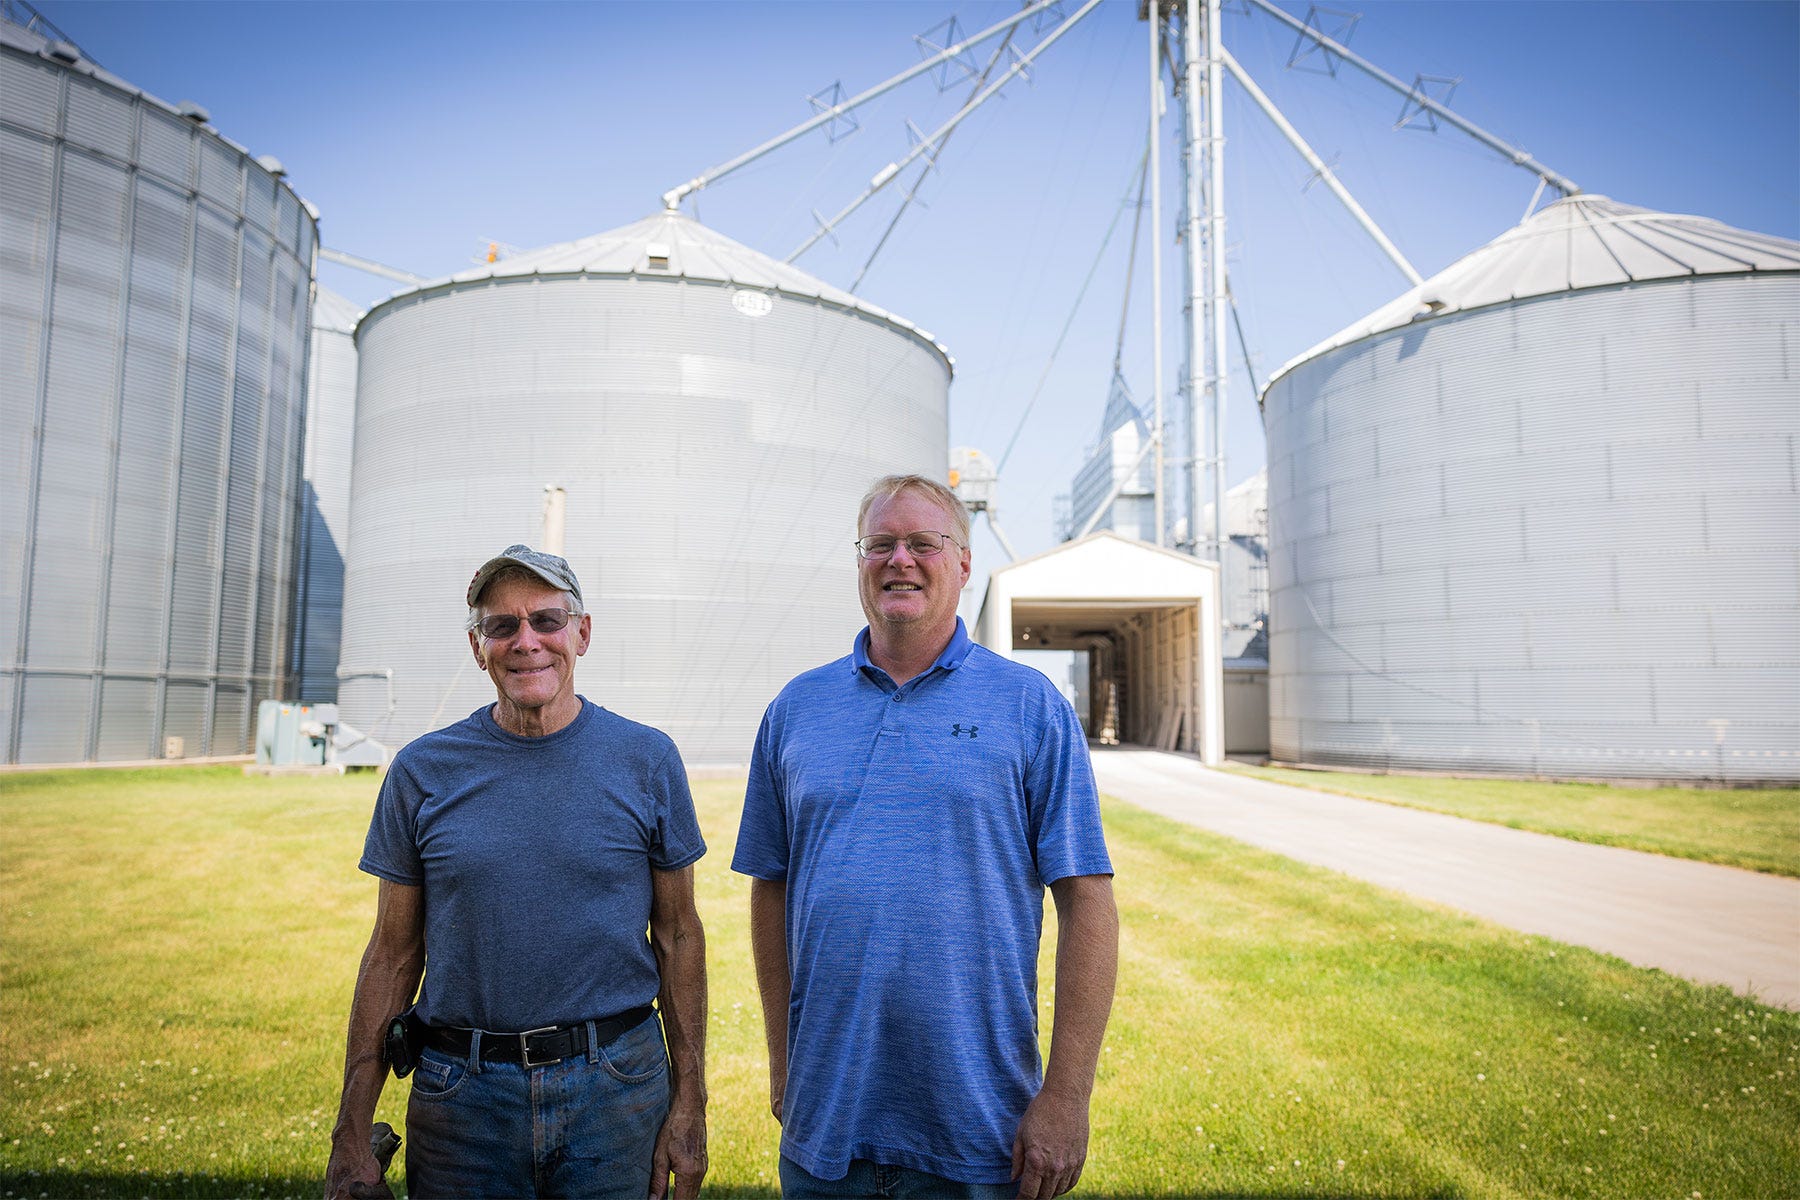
(1581, 241)
(1107, 565)
(685, 249)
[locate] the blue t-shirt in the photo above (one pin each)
(535, 855)
(916, 828)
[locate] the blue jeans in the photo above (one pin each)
(585, 1126)
(874, 1179)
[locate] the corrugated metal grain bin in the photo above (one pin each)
(325, 495)
(713, 415)
(1540, 514)
(153, 300)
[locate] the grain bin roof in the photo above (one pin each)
(334, 312)
(15, 36)
(30, 41)
(1579, 242)
(671, 244)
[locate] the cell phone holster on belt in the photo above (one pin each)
(400, 1047)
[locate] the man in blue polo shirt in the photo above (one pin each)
(906, 808)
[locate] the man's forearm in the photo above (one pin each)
(768, 945)
(682, 998)
(1087, 965)
(386, 983)
(679, 942)
(365, 1073)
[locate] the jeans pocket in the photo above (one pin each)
(438, 1078)
(637, 1054)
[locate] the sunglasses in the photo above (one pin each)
(502, 626)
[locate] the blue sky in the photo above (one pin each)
(422, 131)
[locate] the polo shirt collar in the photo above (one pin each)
(952, 657)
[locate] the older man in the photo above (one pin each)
(907, 806)
(523, 854)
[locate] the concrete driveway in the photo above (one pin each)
(1704, 922)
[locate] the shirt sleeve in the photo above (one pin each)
(1062, 800)
(678, 840)
(762, 846)
(391, 850)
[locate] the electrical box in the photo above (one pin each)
(292, 735)
(303, 738)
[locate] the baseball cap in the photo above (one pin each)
(552, 569)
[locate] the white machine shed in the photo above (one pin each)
(1148, 619)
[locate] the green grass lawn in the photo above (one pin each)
(1740, 827)
(179, 947)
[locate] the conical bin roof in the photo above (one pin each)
(670, 245)
(1578, 242)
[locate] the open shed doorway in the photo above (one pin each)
(1147, 621)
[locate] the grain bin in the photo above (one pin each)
(712, 415)
(325, 495)
(153, 297)
(1539, 515)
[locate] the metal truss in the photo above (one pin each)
(840, 121)
(1415, 113)
(1343, 24)
(952, 68)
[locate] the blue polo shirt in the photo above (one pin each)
(916, 828)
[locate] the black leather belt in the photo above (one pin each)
(535, 1047)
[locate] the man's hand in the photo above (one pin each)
(681, 1149)
(1051, 1147)
(353, 1173)
(777, 1091)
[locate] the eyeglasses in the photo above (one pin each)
(504, 625)
(922, 544)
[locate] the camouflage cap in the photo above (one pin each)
(552, 569)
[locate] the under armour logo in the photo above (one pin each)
(959, 730)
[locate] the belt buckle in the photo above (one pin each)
(525, 1048)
